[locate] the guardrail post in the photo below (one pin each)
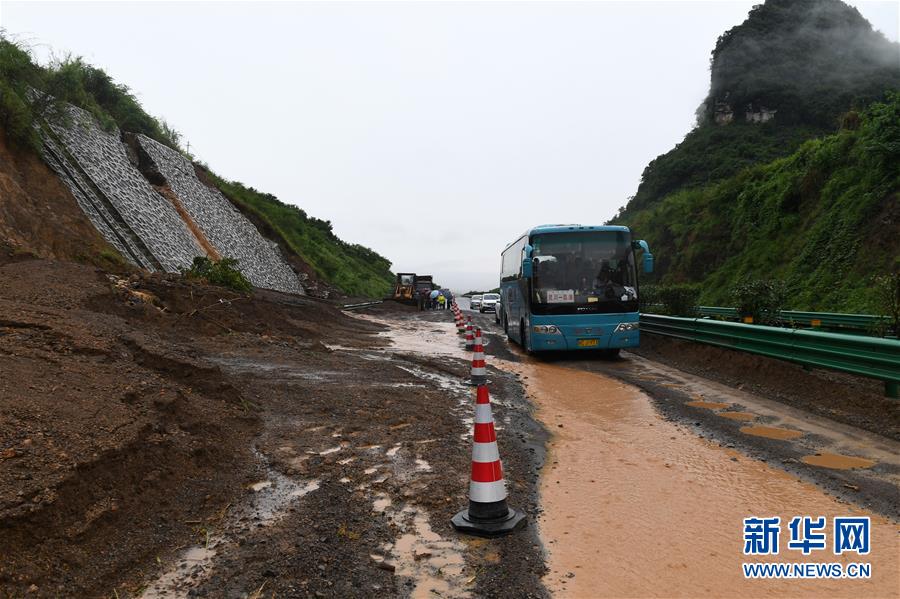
(892, 389)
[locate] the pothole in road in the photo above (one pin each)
(837, 462)
(435, 566)
(382, 502)
(771, 432)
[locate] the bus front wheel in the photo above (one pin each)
(523, 337)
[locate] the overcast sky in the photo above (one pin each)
(434, 133)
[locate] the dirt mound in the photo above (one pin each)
(181, 308)
(102, 455)
(39, 216)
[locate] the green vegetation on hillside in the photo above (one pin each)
(811, 61)
(712, 153)
(810, 198)
(68, 80)
(354, 269)
(824, 220)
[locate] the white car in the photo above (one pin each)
(488, 301)
(475, 302)
(498, 310)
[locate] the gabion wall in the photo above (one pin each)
(139, 221)
(101, 159)
(224, 226)
(98, 211)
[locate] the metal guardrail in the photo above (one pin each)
(362, 305)
(863, 356)
(827, 320)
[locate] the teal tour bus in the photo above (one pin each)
(572, 287)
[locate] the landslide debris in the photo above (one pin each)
(162, 436)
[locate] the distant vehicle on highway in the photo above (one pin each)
(572, 287)
(475, 302)
(488, 301)
(409, 287)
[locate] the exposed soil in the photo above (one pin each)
(160, 437)
(39, 216)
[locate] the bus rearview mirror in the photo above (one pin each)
(648, 262)
(527, 268)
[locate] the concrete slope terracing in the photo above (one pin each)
(120, 202)
(146, 200)
(219, 222)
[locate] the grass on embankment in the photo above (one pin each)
(353, 268)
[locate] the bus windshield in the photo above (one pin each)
(583, 272)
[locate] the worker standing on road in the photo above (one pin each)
(442, 301)
(449, 295)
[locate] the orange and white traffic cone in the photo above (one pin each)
(460, 325)
(488, 514)
(479, 373)
(470, 338)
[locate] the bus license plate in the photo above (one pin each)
(588, 342)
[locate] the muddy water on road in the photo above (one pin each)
(636, 506)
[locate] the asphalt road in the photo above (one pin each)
(652, 470)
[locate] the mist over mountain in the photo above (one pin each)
(802, 61)
(792, 170)
(786, 74)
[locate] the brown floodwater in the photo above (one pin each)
(771, 432)
(638, 506)
(837, 462)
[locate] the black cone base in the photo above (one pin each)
(494, 527)
(472, 383)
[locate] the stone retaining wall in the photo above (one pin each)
(137, 209)
(142, 224)
(227, 230)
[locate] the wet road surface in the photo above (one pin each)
(637, 505)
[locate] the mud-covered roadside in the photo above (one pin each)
(162, 438)
(852, 400)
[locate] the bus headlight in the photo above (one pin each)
(624, 327)
(546, 329)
